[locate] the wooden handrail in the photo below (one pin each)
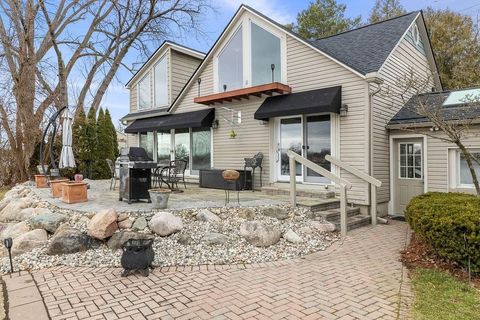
(365, 177)
(318, 169)
(354, 171)
(342, 183)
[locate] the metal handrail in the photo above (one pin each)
(365, 177)
(342, 183)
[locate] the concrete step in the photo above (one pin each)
(304, 192)
(355, 222)
(333, 215)
(316, 205)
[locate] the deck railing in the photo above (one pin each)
(374, 183)
(343, 184)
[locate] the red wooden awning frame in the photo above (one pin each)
(245, 93)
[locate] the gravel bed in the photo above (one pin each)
(169, 252)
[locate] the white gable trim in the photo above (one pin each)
(228, 29)
(428, 50)
(158, 54)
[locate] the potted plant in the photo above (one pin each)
(56, 187)
(159, 197)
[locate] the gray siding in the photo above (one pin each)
(405, 59)
(182, 68)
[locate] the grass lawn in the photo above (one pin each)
(440, 296)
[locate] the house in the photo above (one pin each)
(262, 88)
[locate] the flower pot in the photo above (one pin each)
(74, 192)
(159, 197)
(41, 181)
(56, 187)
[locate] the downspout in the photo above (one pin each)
(371, 78)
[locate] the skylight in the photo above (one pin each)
(463, 96)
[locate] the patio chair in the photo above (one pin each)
(113, 173)
(253, 163)
(180, 166)
(174, 173)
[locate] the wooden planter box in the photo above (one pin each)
(41, 181)
(56, 187)
(74, 192)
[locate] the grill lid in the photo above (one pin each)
(134, 154)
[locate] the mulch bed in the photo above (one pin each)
(419, 255)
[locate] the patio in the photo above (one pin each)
(101, 197)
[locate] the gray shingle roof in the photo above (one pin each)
(365, 49)
(407, 115)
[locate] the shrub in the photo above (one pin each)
(450, 224)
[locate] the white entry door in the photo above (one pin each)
(408, 172)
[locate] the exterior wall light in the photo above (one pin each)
(215, 124)
(343, 110)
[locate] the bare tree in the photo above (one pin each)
(46, 46)
(452, 124)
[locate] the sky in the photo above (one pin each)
(283, 11)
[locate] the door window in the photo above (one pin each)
(318, 142)
(163, 146)
(410, 157)
(290, 139)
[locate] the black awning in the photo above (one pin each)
(313, 101)
(195, 119)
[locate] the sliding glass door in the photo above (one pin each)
(317, 145)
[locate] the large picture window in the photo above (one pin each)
(163, 146)
(161, 88)
(145, 93)
(265, 53)
(230, 63)
(465, 175)
(201, 149)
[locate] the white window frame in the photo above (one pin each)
(164, 56)
(415, 34)
(458, 183)
(245, 23)
(414, 166)
(148, 74)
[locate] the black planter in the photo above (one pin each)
(137, 255)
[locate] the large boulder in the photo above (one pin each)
(119, 238)
(48, 221)
(15, 230)
(28, 241)
(165, 223)
(29, 213)
(275, 212)
(68, 240)
(292, 237)
(258, 234)
(246, 213)
(103, 224)
(322, 226)
(214, 238)
(12, 210)
(206, 215)
(140, 224)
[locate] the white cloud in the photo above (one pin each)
(273, 9)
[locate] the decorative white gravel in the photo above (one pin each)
(168, 252)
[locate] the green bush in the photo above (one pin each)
(450, 224)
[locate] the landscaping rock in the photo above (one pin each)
(103, 224)
(207, 216)
(125, 224)
(28, 241)
(322, 226)
(165, 223)
(185, 239)
(246, 213)
(122, 217)
(119, 238)
(68, 240)
(29, 213)
(258, 234)
(15, 230)
(215, 238)
(275, 212)
(140, 224)
(49, 221)
(292, 237)
(12, 210)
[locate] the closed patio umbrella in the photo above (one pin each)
(67, 159)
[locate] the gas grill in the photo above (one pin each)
(135, 174)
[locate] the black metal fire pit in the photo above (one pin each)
(137, 255)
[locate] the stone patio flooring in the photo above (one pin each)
(360, 277)
(101, 197)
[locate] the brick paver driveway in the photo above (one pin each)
(360, 278)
